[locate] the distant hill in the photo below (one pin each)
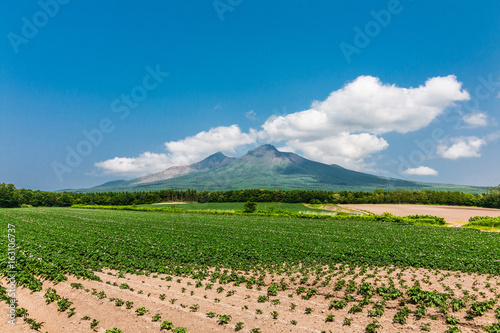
(266, 168)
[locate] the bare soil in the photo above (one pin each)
(180, 294)
(451, 214)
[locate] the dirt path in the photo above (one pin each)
(456, 215)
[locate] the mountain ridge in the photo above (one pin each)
(212, 161)
(264, 167)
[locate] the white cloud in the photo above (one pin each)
(189, 150)
(476, 119)
(421, 171)
(250, 114)
(143, 164)
(461, 147)
(344, 127)
(348, 150)
(367, 105)
(222, 138)
(493, 136)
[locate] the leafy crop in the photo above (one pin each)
(224, 319)
(141, 311)
(58, 241)
(166, 325)
(63, 305)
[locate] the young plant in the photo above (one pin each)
(373, 326)
(51, 295)
(94, 323)
(22, 312)
(63, 305)
(34, 325)
(224, 319)
(329, 318)
(239, 326)
(425, 327)
(141, 311)
(71, 312)
(451, 320)
(166, 325)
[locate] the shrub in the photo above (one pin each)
(249, 207)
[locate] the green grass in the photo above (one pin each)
(79, 241)
(238, 206)
(483, 223)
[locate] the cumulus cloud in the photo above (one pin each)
(460, 147)
(367, 105)
(143, 164)
(421, 171)
(476, 119)
(345, 128)
(222, 138)
(348, 150)
(189, 150)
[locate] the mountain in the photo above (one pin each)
(265, 168)
(213, 161)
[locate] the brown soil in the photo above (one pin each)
(452, 214)
(241, 305)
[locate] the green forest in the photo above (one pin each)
(11, 197)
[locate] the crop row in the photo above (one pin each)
(53, 242)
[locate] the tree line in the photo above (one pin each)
(12, 197)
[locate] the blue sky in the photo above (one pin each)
(407, 89)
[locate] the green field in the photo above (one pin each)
(55, 241)
(238, 206)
